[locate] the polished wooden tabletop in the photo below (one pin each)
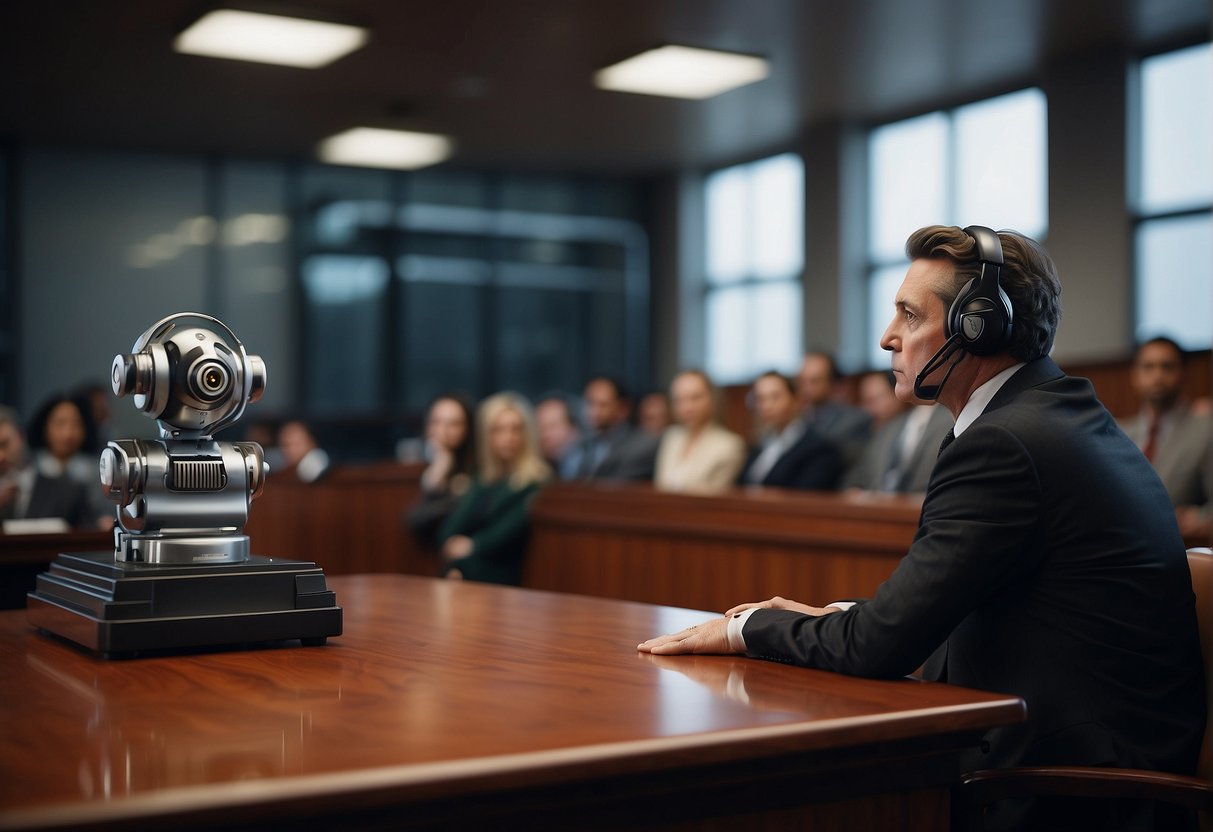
(435, 687)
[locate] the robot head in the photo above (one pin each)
(193, 380)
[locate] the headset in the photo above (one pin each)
(979, 321)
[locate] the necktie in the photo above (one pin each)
(947, 440)
(1151, 445)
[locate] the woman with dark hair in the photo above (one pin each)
(449, 450)
(60, 430)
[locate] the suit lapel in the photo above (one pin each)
(1032, 374)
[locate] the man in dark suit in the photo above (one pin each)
(614, 450)
(845, 425)
(791, 455)
(25, 493)
(1047, 562)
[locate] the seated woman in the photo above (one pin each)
(486, 536)
(448, 448)
(697, 454)
(58, 434)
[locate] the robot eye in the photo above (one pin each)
(209, 380)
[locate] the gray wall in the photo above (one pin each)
(110, 243)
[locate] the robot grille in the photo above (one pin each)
(198, 475)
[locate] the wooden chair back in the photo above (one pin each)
(1200, 563)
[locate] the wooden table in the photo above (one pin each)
(464, 706)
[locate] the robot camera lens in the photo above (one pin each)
(210, 380)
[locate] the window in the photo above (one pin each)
(1173, 206)
(981, 164)
(755, 256)
(436, 281)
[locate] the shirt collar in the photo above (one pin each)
(981, 397)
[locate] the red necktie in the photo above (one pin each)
(1151, 439)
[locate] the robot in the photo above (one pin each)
(181, 574)
(185, 498)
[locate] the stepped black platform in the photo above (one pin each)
(121, 609)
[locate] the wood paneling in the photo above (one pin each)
(450, 705)
(350, 521)
(633, 542)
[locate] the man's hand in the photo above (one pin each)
(713, 636)
(780, 603)
(708, 637)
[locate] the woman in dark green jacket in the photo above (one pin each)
(485, 538)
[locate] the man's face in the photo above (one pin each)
(553, 427)
(603, 410)
(1158, 375)
(12, 448)
(878, 398)
(774, 402)
(917, 330)
(813, 382)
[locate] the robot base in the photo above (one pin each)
(120, 609)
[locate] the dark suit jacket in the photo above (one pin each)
(813, 464)
(61, 497)
(1048, 564)
(847, 426)
(632, 455)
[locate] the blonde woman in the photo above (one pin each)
(486, 536)
(697, 454)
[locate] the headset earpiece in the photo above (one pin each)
(981, 315)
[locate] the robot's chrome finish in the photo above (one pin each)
(185, 498)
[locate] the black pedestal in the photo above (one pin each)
(123, 608)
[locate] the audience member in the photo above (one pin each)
(1047, 562)
(1177, 441)
(818, 395)
(877, 399)
(60, 430)
(900, 457)
(559, 435)
(790, 455)
(302, 455)
(449, 447)
(654, 413)
(95, 399)
(697, 454)
(265, 434)
(485, 538)
(26, 493)
(614, 450)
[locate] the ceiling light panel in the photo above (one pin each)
(682, 72)
(376, 148)
(269, 38)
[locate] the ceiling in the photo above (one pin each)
(510, 80)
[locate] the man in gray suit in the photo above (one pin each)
(901, 455)
(1177, 441)
(615, 450)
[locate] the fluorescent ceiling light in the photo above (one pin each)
(682, 72)
(269, 38)
(374, 148)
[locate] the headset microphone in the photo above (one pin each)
(930, 392)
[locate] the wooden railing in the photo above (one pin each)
(350, 521)
(636, 543)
